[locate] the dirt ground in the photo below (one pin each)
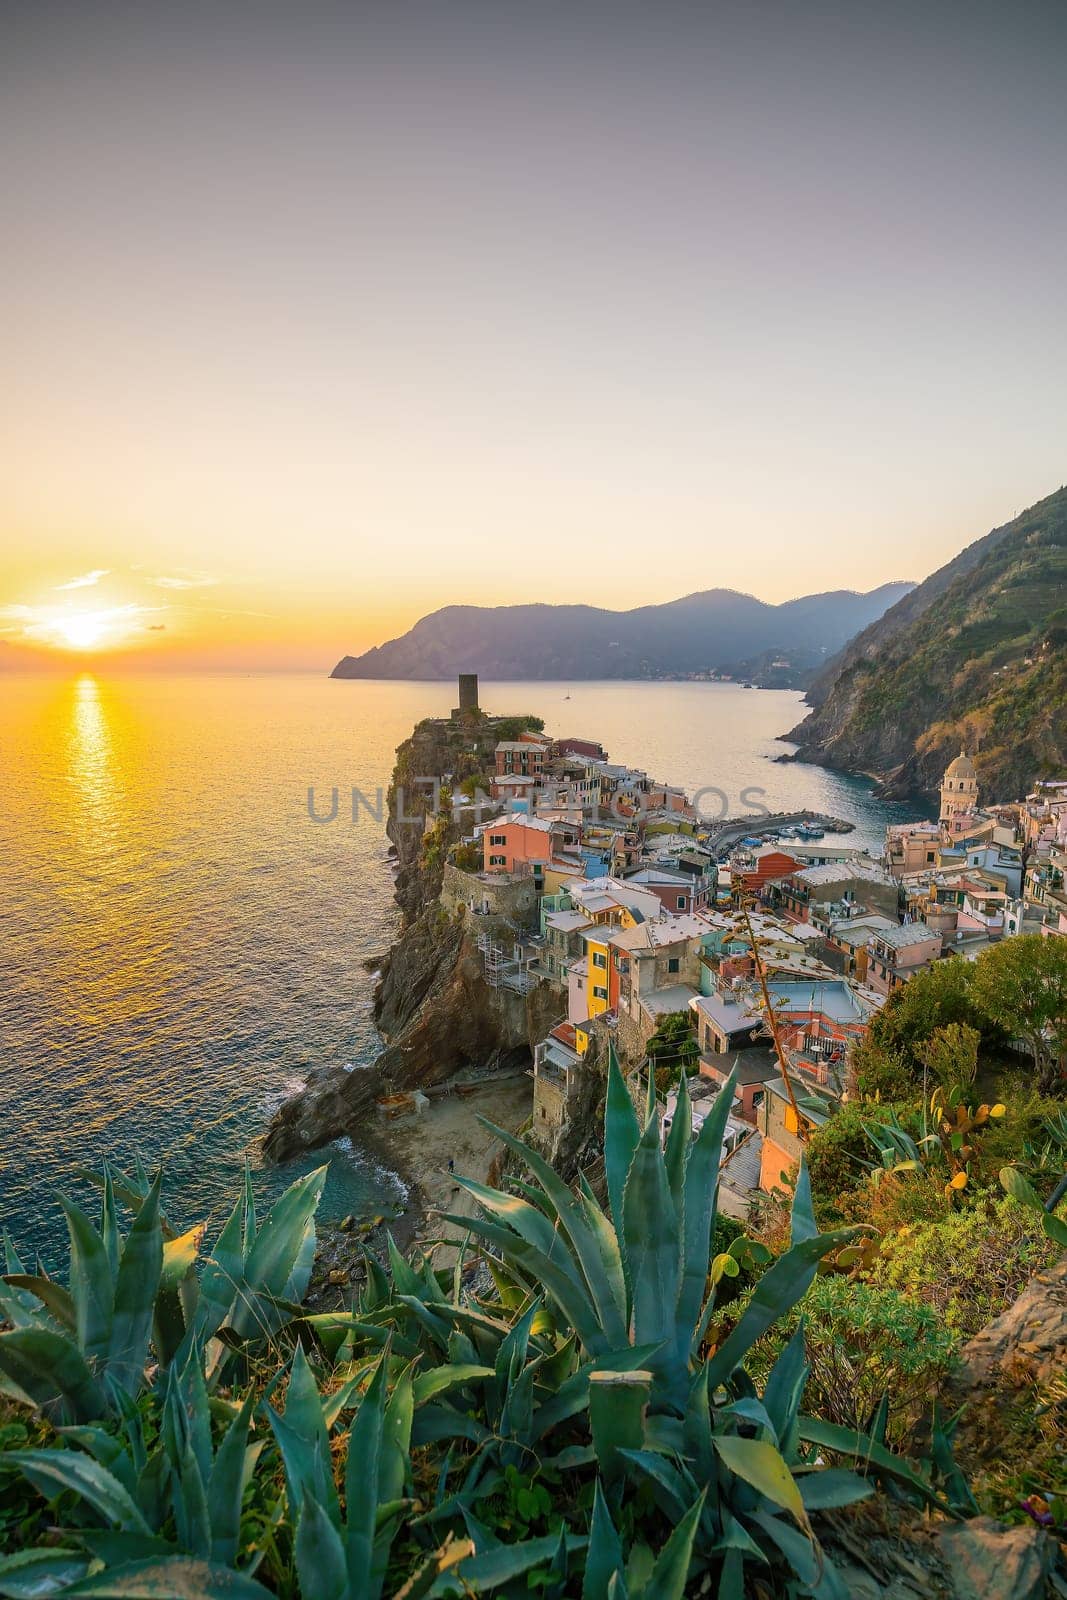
(449, 1128)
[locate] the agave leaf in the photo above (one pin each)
(277, 1251)
(248, 1236)
(320, 1555)
(171, 1578)
(622, 1133)
(362, 1477)
(226, 1486)
(607, 1241)
(433, 1423)
(584, 1239)
(802, 1221)
(28, 1574)
(697, 1429)
(604, 1557)
(866, 1452)
(109, 1223)
(819, 1578)
(503, 1563)
(523, 1218)
(191, 1515)
(572, 1299)
(617, 1402)
(396, 1439)
(762, 1465)
(784, 1391)
(53, 1470)
(668, 1577)
(671, 1483)
(49, 1370)
(91, 1286)
(573, 1394)
(118, 1549)
(698, 1217)
(679, 1139)
(303, 1439)
(781, 1286)
(170, 1320)
(56, 1300)
(651, 1239)
(434, 1382)
(135, 1295)
(422, 1579)
(221, 1277)
(830, 1487)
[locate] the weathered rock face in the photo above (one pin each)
(432, 1003)
(977, 654)
(1027, 1343)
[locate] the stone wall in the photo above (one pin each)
(484, 894)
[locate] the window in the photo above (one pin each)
(673, 964)
(498, 838)
(757, 1099)
(681, 902)
(498, 861)
(599, 959)
(598, 993)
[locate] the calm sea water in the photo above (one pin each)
(180, 943)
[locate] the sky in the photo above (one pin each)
(318, 317)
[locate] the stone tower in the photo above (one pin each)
(468, 696)
(959, 788)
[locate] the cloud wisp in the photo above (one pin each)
(85, 581)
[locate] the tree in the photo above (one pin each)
(951, 1055)
(1022, 984)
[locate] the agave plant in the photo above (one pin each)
(732, 1468)
(139, 1483)
(73, 1351)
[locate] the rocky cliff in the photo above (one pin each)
(976, 655)
(433, 1008)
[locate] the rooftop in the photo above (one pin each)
(664, 1002)
(868, 871)
(900, 937)
(729, 1016)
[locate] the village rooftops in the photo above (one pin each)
(835, 998)
(868, 871)
(855, 932)
(566, 921)
(665, 1002)
(657, 932)
(522, 744)
(728, 1013)
(903, 936)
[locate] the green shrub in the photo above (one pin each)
(968, 1266)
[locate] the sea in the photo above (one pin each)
(183, 937)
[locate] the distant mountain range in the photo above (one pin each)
(976, 655)
(717, 630)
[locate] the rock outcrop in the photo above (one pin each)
(433, 1007)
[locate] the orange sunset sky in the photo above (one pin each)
(310, 330)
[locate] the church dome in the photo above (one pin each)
(962, 767)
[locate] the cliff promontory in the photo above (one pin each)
(976, 655)
(433, 1007)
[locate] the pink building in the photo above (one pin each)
(896, 954)
(512, 843)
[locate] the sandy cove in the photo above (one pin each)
(448, 1128)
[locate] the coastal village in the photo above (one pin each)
(761, 946)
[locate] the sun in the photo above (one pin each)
(82, 632)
